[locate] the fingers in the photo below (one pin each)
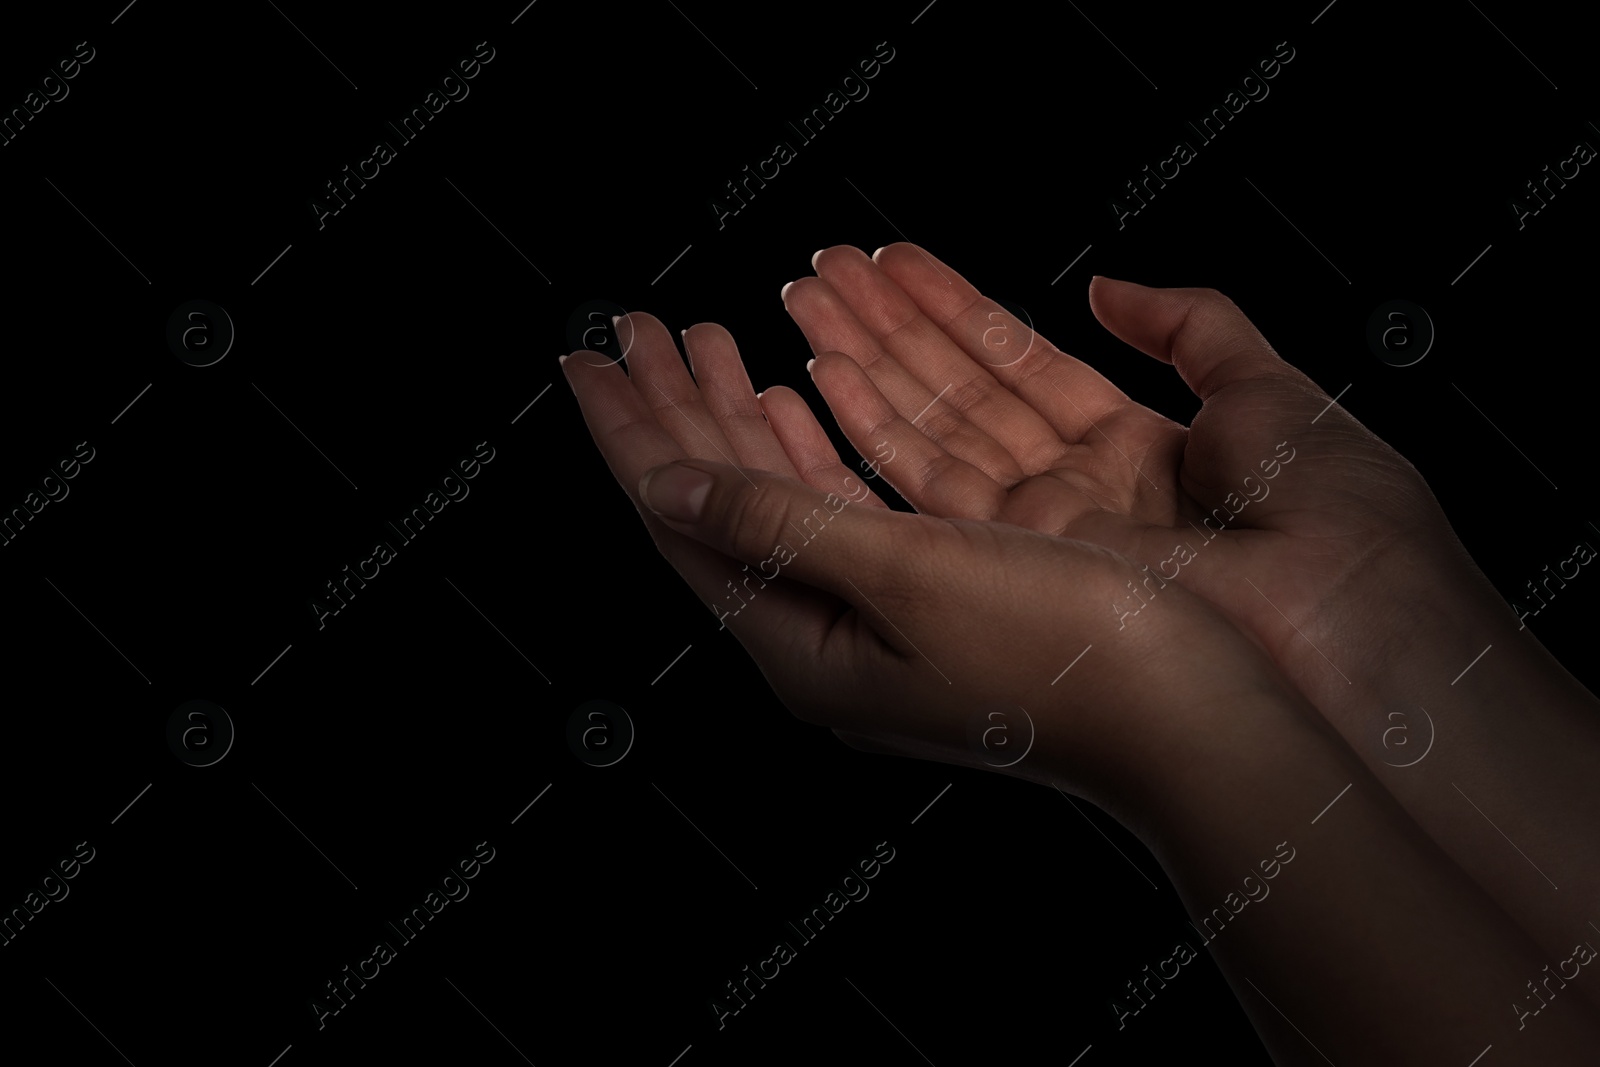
(632, 441)
(807, 445)
(830, 324)
(663, 382)
(1199, 331)
(725, 390)
(1070, 395)
(921, 469)
(625, 428)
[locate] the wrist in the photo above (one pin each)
(1421, 624)
(1228, 758)
(1418, 613)
(1244, 777)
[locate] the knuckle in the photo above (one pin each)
(756, 517)
(1212, 308)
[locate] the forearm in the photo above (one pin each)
(1366, 943)
(1484, 738)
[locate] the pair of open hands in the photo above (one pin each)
(1061, 523)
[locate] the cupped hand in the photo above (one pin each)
(1274, 504)
(899, 631)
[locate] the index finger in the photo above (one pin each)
(1069, 393)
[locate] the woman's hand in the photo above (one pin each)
(1284, 513)
(904, 631)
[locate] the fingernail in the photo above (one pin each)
(615, 319)
(809, 362)
(758, 395)
(674, 492)
(814, 256)
(561, 359)
(875, 254)
(783, 294)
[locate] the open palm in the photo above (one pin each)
(1274, 505)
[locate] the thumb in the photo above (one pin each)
(778, 524)
(1199, 331)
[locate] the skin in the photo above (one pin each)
(897, 629)
(1340, 564)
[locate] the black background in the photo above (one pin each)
(407, 330)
